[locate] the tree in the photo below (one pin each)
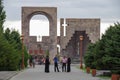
(2, 17)
(106, 51)
(112, 48)
(10, 45)
(13, 38)
(8, 57)
(89, 56)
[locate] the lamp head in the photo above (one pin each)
(22, 37)
(81, 37)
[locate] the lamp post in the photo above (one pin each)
(22, 65)
(81, 51)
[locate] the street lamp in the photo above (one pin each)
(22, 65)
(81, 51)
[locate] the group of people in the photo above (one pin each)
(64, 61)
(33, 61)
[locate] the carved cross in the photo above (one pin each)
(64, 27)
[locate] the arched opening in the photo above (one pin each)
(58, 48)
(49, 40)
(39, 26)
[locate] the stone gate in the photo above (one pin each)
(49, 42)
(69, 43)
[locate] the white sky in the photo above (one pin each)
(107, 10)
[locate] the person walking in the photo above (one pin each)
(30, 61)
(47, 63)
(56, 63)
(68, 64)
(64, 61)
(33, 62)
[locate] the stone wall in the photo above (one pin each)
(90, 26)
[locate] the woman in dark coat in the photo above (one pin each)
(68, 64)
(47, 62)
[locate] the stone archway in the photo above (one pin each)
(51, 14)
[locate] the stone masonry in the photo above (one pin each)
(89, 28)
(68, 43)
(30, 41)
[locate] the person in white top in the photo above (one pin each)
(64, 61)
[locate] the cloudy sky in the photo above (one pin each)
(107, 10)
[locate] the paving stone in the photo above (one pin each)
(38, 73)
(6, 75)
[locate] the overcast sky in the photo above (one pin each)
(107, 10)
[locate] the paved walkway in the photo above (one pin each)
(38, 73)
(6, 75)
